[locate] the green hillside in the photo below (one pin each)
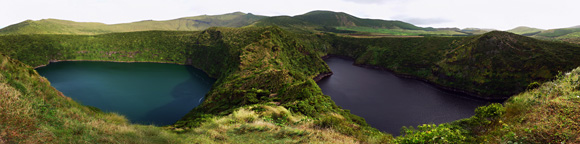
(315, 21)
(340, 19)
(522, 30)
(54, 26)
(343, 23)
(476, 31)
(553, 33)
(570, 35)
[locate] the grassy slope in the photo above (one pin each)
(54, 26)
(522, 30)
(553, 33)
(340, 19)
(338, 22)
(263, 66)
(493, 65)
(313, 21)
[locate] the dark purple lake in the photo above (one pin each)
(388, 102)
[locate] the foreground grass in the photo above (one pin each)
(548, 114)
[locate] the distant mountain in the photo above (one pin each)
(340, 19)
(578, 26)
(476, 31)
(55, 26)
(337, 19)
(315, 21)
(554, 33)
(522, 30)
(339, 22)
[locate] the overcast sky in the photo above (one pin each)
(497, 14)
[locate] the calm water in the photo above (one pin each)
(388, 102)
(146, 93)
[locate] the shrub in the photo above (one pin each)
(533, 85)
(337, 123)
(431, 133)
(491, 111)
(328, 122)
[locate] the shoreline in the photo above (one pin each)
(321, 76)
(55, 61)
(463, 93)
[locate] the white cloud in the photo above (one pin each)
(499, 14)
(422, 21)
(369, 1)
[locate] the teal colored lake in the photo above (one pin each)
(146, 93)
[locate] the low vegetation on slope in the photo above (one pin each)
(522, 30)
(494, 65)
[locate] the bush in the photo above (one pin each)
(491, 111)
(336, 123)
(533, 85)
(431, 133)
(329, 122)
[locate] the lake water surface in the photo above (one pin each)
(146, 93)
(388, 102)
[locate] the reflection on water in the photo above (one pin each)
(388, 102)
(146, 93)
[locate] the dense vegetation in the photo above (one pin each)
(495, 65)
